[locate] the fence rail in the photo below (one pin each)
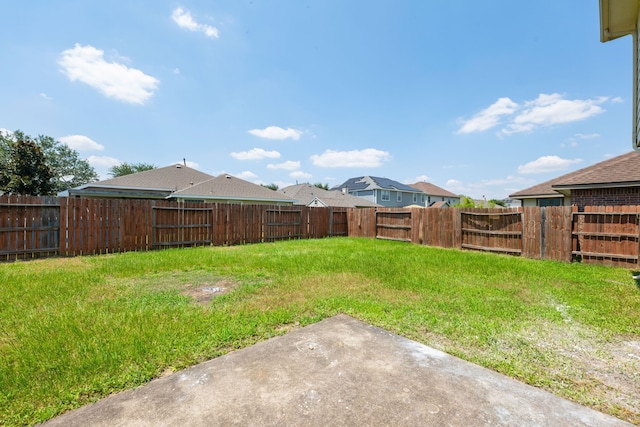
(32, 227)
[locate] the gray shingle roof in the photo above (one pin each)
(306, 193)
(175, 177)
(374, 183)
(226, 186)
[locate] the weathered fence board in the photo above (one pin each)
(29, 227)
(394, 224)
(607, 235)
(492, 230)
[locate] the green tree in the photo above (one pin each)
(321, 185)
(465, 202)
(495, 202)
(69, 170)
(273, 186)
(26, 171)
(125, 168)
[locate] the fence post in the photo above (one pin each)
(543, 232)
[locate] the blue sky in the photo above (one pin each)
(480, 98)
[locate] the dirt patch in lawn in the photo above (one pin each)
(201, 293)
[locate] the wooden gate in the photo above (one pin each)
(181, 224)
(29, 227)
(393, 225)
(283, 224)
(605, 237)
(492, 231)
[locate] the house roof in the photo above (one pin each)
(374, 183)
(307, 193)
(433, 190)
(439, 204)
(620, 171)
(174, 178)
(618, 18)
(227, 187)
(154, 183)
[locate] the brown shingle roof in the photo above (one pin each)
(620, 170)
(228, 187)
(433, 190)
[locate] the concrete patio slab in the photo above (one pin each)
(338, 372)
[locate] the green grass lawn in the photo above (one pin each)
(75, 330)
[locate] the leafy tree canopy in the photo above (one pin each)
(125, 168)
(68, 169)
(26, 170)
(465, 202)
(273, 186)
(321, 185)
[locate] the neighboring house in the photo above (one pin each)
(157, 183)
(436, 194)
(226, 188)
(179, 182)
(312, 196)
(439, 204)
(612, 182)
(383, 191)
(512, 203)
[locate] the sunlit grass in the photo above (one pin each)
(75, 330)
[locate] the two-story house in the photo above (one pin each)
(383, 191)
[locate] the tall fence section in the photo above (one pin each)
(32, 227)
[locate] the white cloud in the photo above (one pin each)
(616, 100)
(45, 96)
(546, 110)
(6, 133)
(275, 132)
(300, 175)
(587, 136)
(255, 154)
(549, 110)
(87, 65)
(489, 117)
(547, 164)
(81, 142)
(246, 175)
(288, 165)
(184, 20)
(103, 161)
(367, 158)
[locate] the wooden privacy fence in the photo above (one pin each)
(32, 227)
(603, 235)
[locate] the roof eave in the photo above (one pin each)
(617, 19)
(240, 199)
(561, 187)
(537, 196)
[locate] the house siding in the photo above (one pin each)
(606, 197)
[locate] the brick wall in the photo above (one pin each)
(606, 197)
